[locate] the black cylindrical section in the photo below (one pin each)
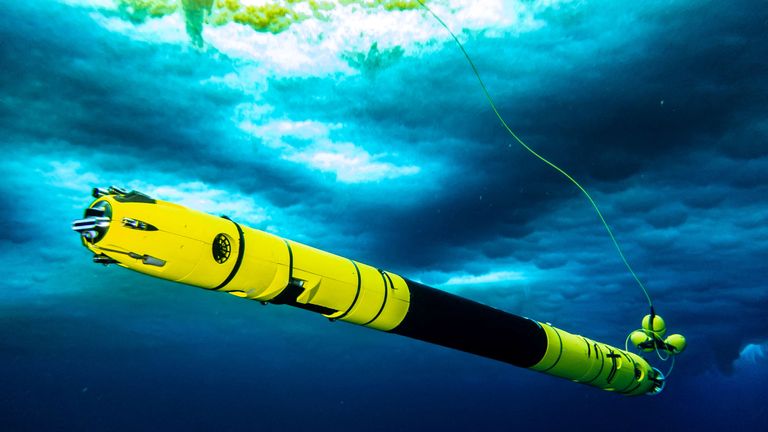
(445, 319)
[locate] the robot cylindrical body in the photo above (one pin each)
(182, 245)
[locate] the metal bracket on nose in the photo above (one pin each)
(95, 223)
(90, 226)
(147, 259)
(104, 259)
(112, 190)
(138, 225)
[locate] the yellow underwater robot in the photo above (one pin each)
(175, 243)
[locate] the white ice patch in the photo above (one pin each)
(272, 133)
(309, 143)
(168, 29)
(350, 164)
(96, 4)
(69, 175)
(199, 196)
(292, 53)
(488, 278)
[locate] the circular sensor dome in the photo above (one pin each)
(221, 248)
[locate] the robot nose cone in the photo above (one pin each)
(95, 223)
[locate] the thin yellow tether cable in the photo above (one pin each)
(540, 157)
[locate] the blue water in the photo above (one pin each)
(387, 153)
